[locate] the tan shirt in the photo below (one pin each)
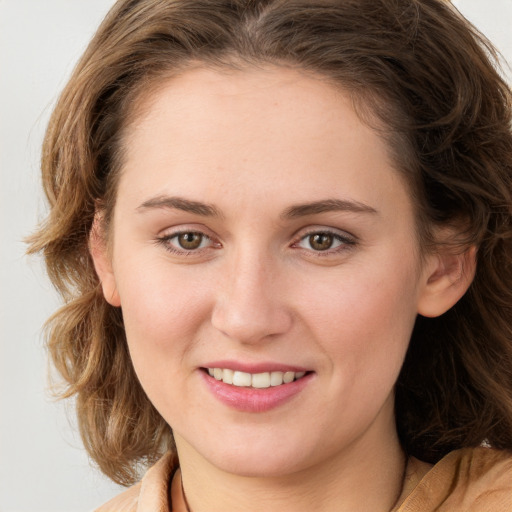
(468, 480)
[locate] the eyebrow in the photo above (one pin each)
(293, 212)
(180, 203)
(326, 205)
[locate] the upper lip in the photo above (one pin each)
(261, 367)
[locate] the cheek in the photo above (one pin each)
(163, 312)
(364, 322)
(161, 309)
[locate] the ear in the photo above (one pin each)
(102, 261)
(447, 278)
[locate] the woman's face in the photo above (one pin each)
(261, 234)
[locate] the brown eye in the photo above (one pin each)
(325, 241)
(190, 241)
(321, 241)
(187, 243)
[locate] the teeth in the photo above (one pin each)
(276, 378)
(241, 379)
(227, 376)
(261, 380)
(255, 380)
(288, 377)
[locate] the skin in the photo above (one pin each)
(252, 146)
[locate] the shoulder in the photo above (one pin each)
(151, 493)
(467, 480)
(124, 502)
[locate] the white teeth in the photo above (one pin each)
(227, 376)
(261, 380)
(276, 378)
(242, 379)
(288, 377)
(255, 380)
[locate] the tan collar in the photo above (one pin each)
(468, 479)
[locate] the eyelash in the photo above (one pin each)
(345, 242)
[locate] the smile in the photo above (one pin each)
(254, 380)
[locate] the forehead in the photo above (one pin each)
(250, 96)
(251, 130)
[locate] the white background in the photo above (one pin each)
(42, 464)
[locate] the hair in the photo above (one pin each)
(427, 79)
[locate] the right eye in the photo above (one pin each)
(185, 242)
(321, 241)
(190, 240)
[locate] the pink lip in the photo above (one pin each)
(246, 399)
(255, 367)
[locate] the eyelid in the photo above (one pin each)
(319, 228)
(179, 229)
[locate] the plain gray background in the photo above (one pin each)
(42, 464)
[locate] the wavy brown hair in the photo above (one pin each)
(416, 70)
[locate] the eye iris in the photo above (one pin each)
(190, 240)
(321, 241)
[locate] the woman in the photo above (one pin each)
(282, 230)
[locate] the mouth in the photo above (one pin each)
(255, 390)
(254, 380)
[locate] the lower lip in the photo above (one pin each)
(248, 399)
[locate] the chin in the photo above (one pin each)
(253, 459)
(260, 468)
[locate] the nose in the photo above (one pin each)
(250, 302)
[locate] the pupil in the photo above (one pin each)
(321, 241)
(190, 240)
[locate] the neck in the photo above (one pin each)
(368, 475)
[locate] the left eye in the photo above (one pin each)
(322, 241)
(189, 240)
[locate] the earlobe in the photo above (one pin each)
(102, 262)
(447, 278)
